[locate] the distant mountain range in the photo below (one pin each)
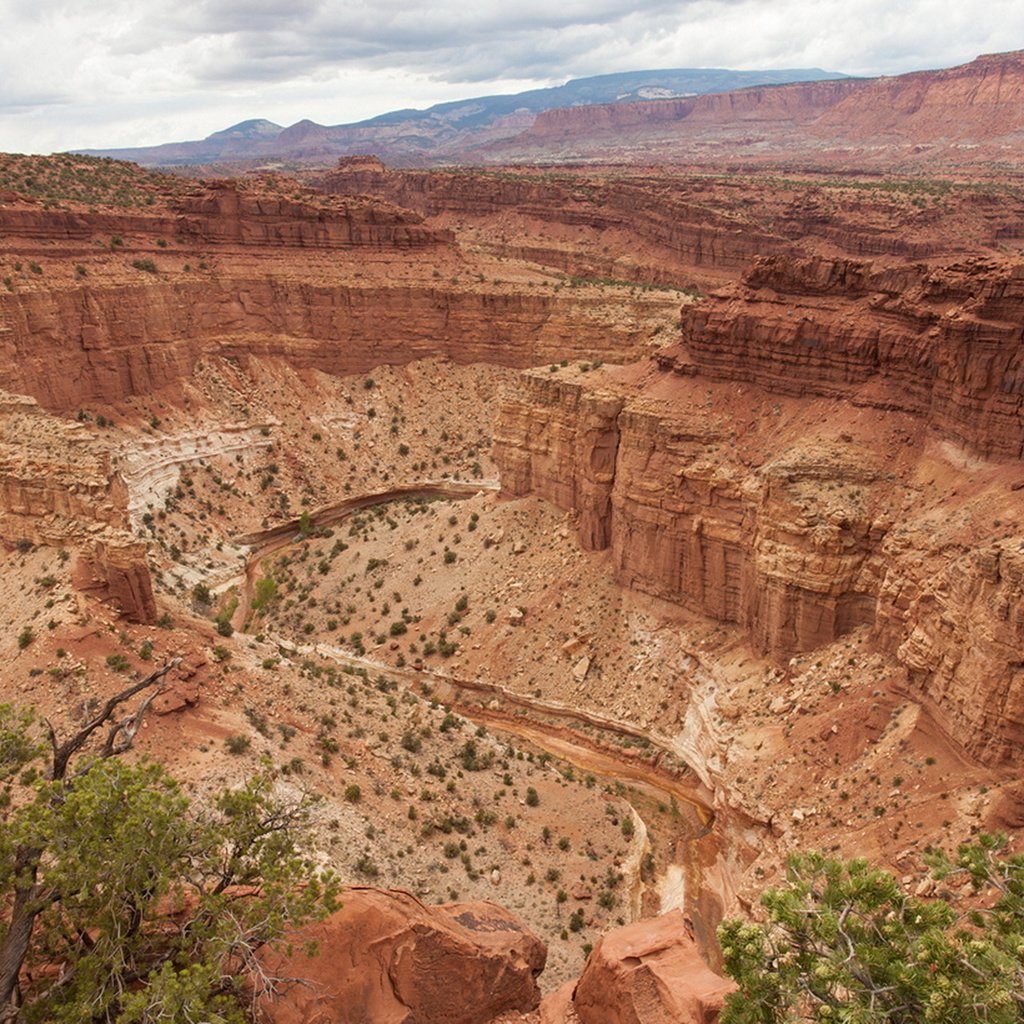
(950, 120)
(964, 118)
(447, 129)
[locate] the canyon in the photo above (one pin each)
(613, 533)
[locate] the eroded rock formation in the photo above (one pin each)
(796, 519)
(138, 325)
(232, 213)
(58, 486)
(941, 341)
(385, 958)
(688, 229)
(649, 972)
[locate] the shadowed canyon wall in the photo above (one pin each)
(121, 339)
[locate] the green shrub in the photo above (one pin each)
(844, 942)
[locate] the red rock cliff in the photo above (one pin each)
(372, 285)
(799, 102)
(223, 213)
(943, 342)
(122, 339)
(58, 487)
(797, 519)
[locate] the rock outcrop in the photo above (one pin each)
(648, 972)
(689, 229)
(942, 341)
(229, 213)
(648, 232)
(763, 549)
(560, 439)
(340, 285)
(58, 487)
(967, 106)
(224, 214)
(789, 104)
(386, 958)
(126, 339)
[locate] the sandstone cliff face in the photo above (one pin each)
(976, 101)
(801, 102)
(560, 440)
(368, 288)
(942, 342)
(431, 193)
(956, 626)
(224, 213)
(59, 488)
(761, 549)
(727, 500)
(121, 339)
(687, 229)
(656, 232)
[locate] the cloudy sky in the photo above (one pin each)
(107, 73)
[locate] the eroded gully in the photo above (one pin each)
(669, 803)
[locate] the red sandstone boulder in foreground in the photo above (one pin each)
(648, 972)
(386, 958)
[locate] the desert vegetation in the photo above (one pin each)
(97, 182)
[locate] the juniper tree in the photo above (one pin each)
(844, 943)
(122, 900)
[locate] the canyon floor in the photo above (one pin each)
(587, 541)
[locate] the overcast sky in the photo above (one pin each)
(106, 73)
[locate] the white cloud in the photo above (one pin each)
(120, 72)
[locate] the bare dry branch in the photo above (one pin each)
(63, 753)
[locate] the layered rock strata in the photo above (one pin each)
(122, 339)
(120, 326)
(687, 228)
(227, 213)
(760, 549)
(796, 520)
(58, 487)
(943, 342)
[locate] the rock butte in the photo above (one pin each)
(761, 548)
